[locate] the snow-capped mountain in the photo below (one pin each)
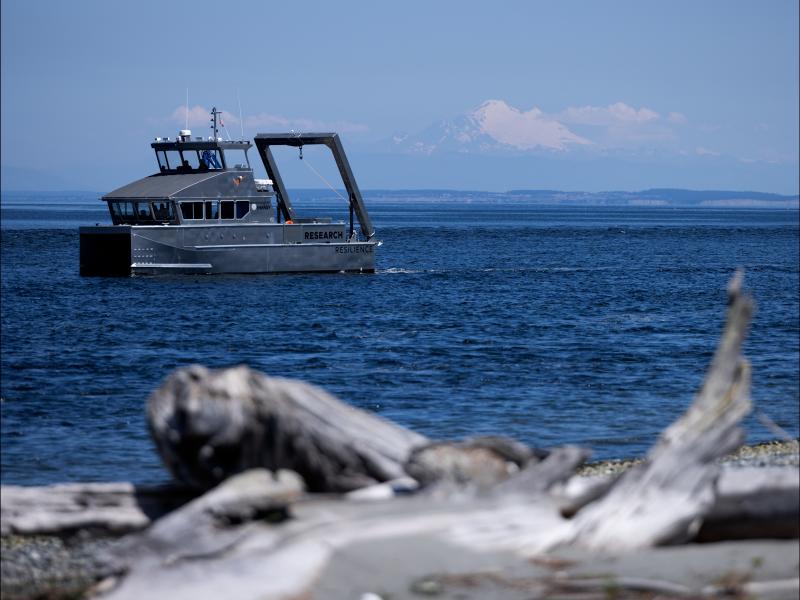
(493, 127)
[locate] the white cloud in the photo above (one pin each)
(200, 116)
(701, 151)
(607, 116)
(621, 127)
(523, 130)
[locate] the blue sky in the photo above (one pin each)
(587, 95)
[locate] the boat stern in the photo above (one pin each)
(105, 251)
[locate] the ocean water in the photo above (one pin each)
(588, 326)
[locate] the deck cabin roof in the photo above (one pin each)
(161, 185)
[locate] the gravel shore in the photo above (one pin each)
(767, 454)
(48, 566)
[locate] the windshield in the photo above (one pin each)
(187, 161)
(144, 212)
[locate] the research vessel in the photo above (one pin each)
(205, 212)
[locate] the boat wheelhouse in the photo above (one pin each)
(205, 212)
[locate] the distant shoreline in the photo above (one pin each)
(651, 198)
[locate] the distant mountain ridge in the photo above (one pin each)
(663, 197)
(656, 197)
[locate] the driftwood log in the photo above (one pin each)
(483, 501)
(68, 508)
(209, 425)
(750, 503)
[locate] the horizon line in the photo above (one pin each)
(462, 191)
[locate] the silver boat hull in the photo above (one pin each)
(253, 248)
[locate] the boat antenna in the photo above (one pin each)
(241, 121)
(214, 113)
(187, 109)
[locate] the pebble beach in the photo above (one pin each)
(776, 453)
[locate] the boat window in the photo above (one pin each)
(192, 210)
(191, 160)
(242, 208)
(143, 212)
(122, 212)
(212, 209)
(237, 159)
(163, 211)
(227, 209)
(173, 159)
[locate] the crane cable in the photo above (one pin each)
(317, 173)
